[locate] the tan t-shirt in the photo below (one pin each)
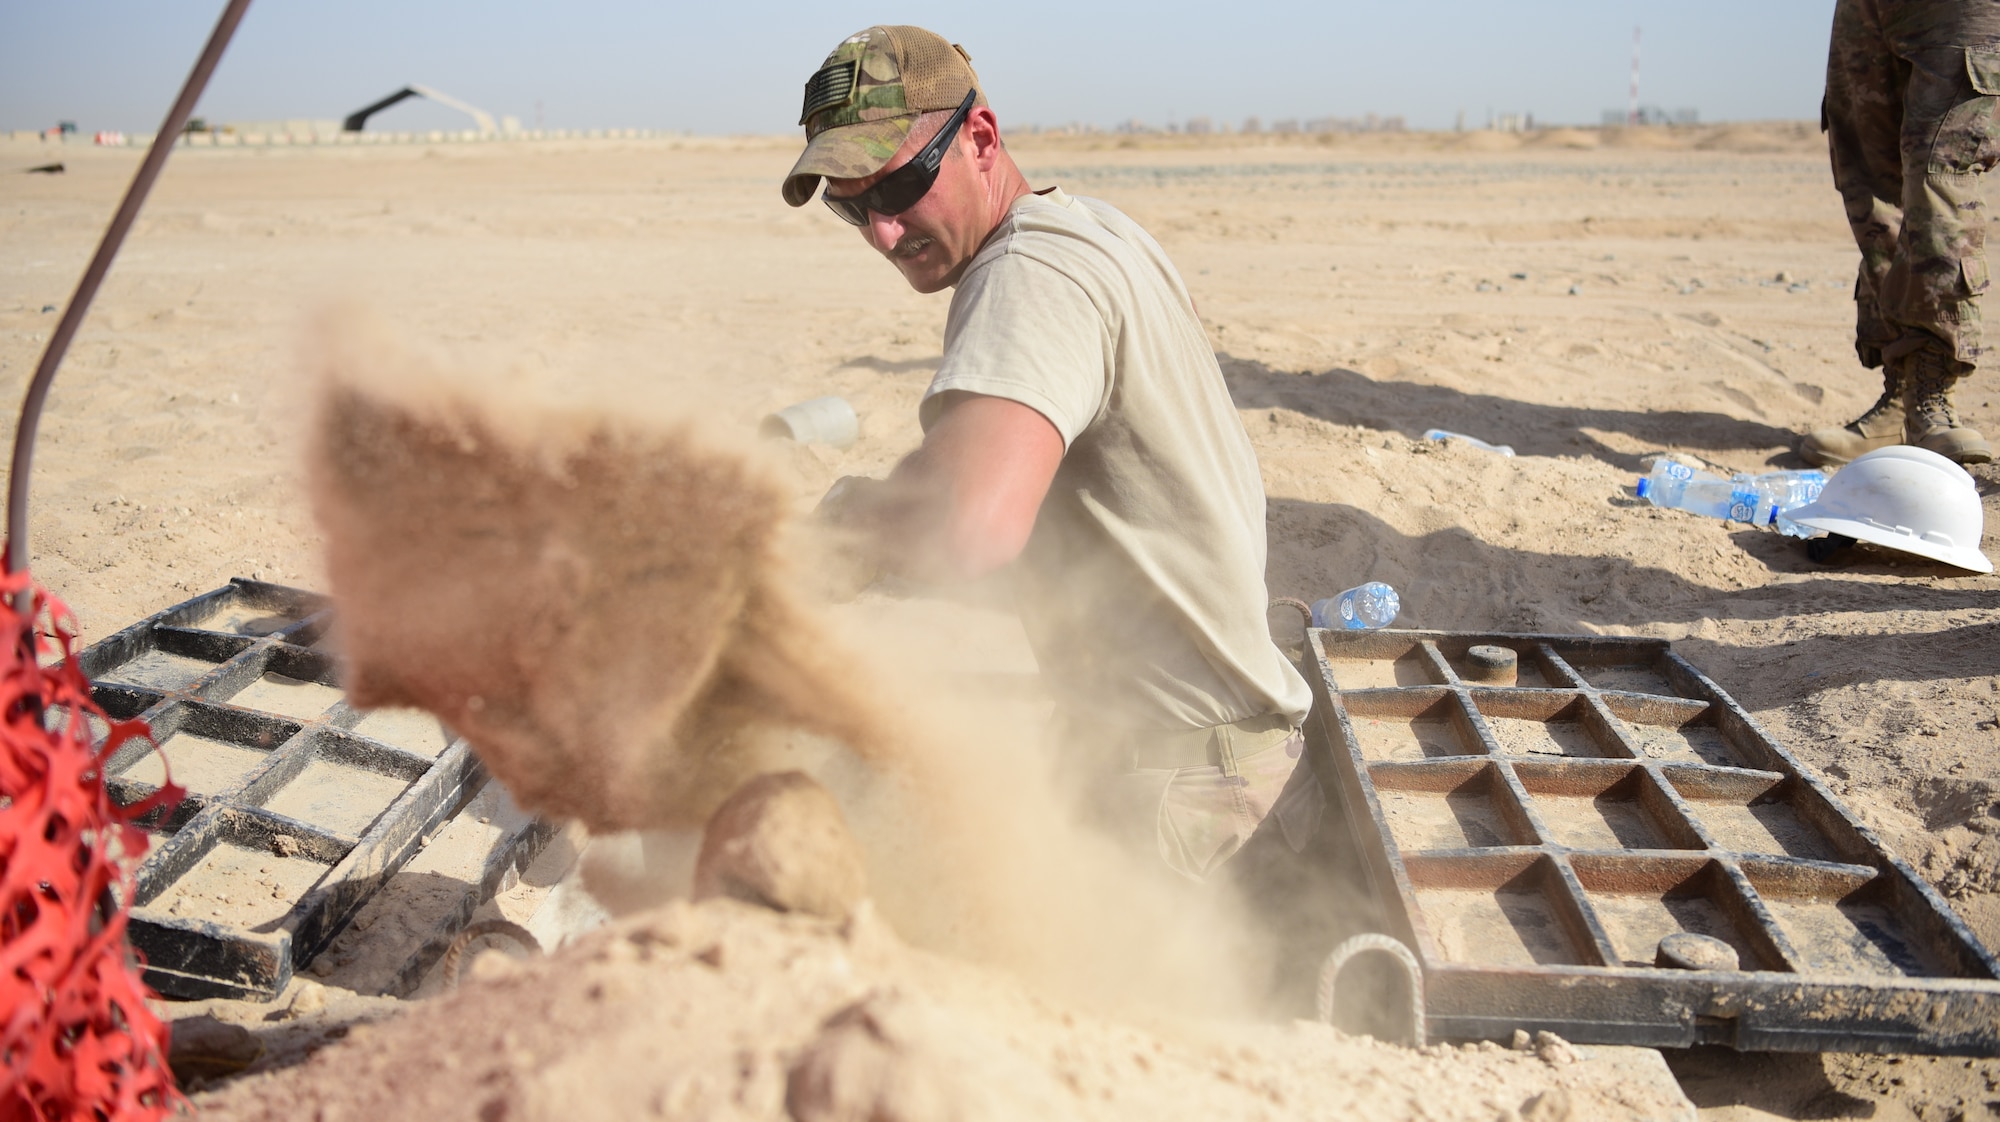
(1142, 586)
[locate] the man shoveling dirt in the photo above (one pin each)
(1078, 430)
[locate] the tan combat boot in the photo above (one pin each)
(1880, 427)
(1930, 423)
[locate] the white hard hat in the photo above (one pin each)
(1904, 498)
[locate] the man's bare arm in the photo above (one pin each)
(964, 503)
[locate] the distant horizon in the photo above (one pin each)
(82, 136)
(115, 64)
(437, 118)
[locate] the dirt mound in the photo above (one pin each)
(1565, 138)
(1762, 138)
(603, 611)
(1486, 140)
(1645, 136)
(726, 1011)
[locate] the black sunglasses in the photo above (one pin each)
(901, 189)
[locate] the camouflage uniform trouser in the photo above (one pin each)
(1910, 118)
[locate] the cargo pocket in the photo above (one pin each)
(1973, 269)
(1966, 138)
(1196, 825)
(1982, 68)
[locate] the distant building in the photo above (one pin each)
(1255, 126)
(1369, 123)
(481, 119)
(1651, 115)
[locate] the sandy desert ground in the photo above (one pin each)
(1590, 298)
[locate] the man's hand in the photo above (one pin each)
(844, 502)
(964, 503)
(852, 562)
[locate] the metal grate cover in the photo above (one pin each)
(1534, 843)
(299, 806)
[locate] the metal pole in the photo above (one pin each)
(86, 289)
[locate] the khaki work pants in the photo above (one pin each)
(1195, 815)
(1253, 837)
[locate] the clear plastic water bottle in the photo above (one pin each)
(1699, 492)
(1783, 491)
(1667, 483)
(1361, 608)
(1760, 500)
(1442, 434)
(1714, 498)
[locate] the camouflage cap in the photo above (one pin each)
(862, 101)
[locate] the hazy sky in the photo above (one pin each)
(739, 67)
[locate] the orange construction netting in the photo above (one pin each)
(77, 1042)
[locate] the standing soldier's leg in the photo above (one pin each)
(1933, 289)
(1863, 120)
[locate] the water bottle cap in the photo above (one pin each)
(1645, 487)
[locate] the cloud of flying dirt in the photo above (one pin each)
(603, 610)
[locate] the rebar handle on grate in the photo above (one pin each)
(1304, 609)
(1306, 614)
(1384, 944)
(448, 965)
